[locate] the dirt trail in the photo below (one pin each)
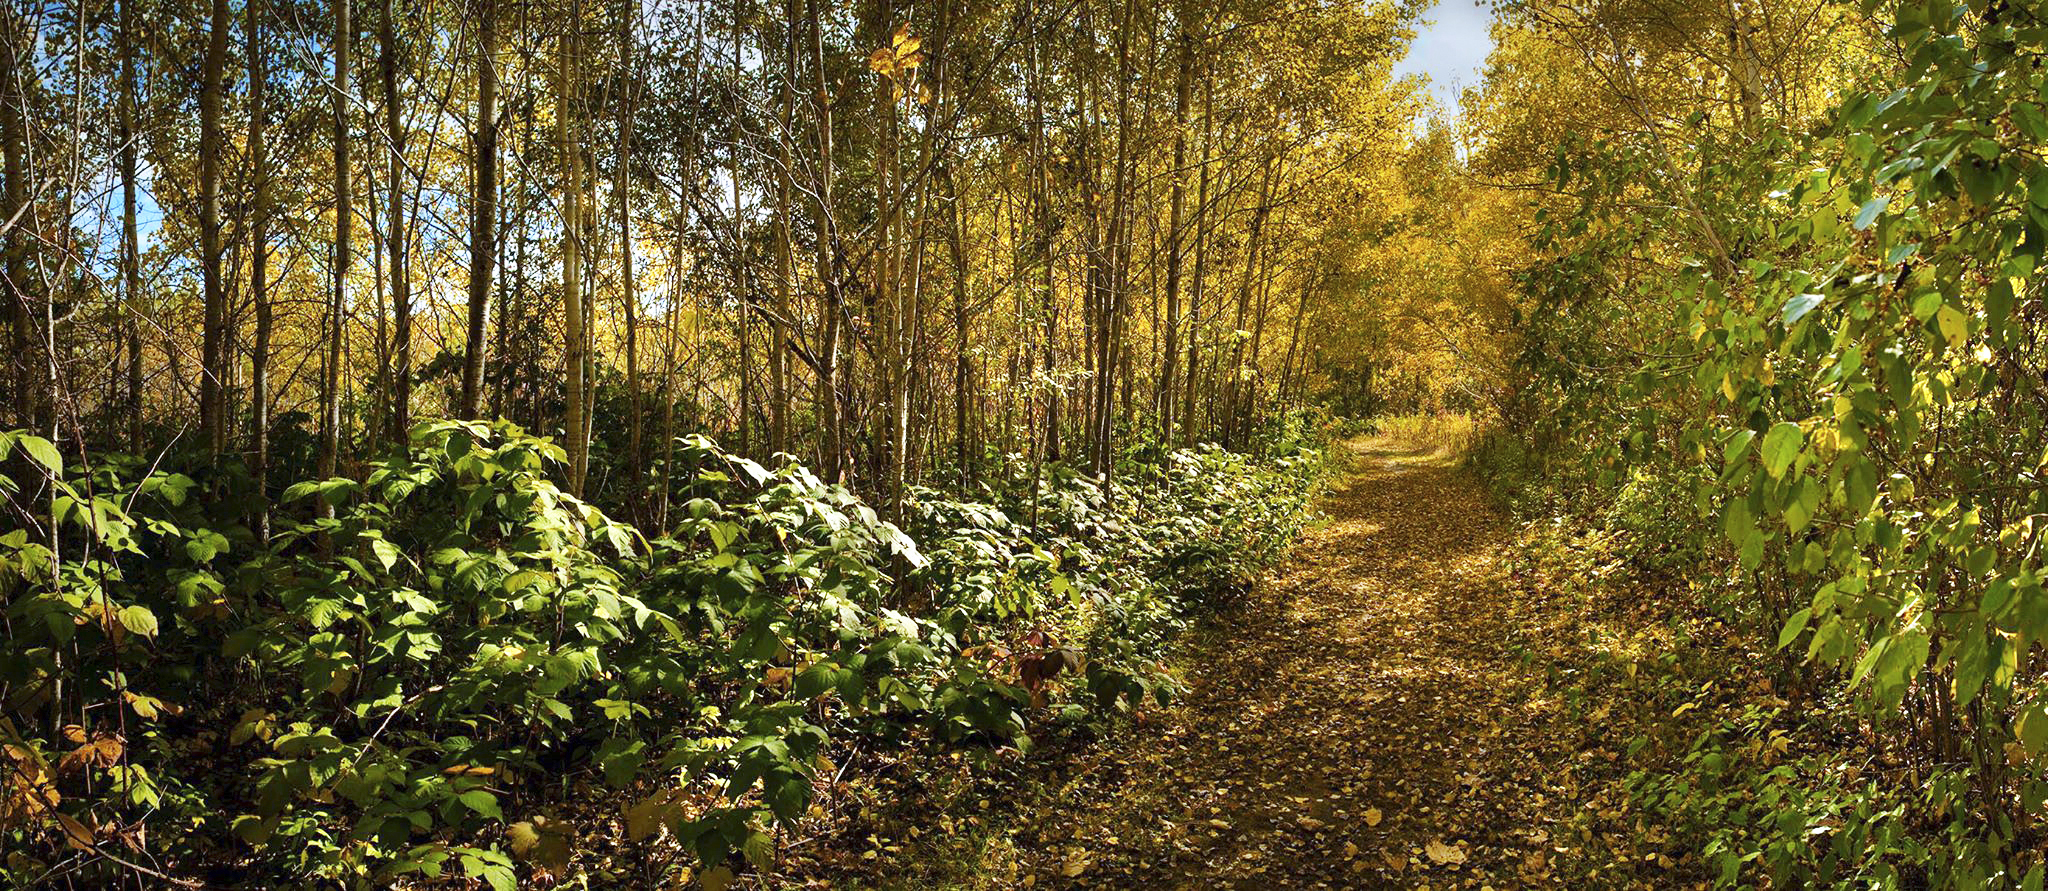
(1366, 721)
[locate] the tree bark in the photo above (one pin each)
(330, 368)
(483, 245)
(17, 217)
(572, 256)
(1198, 287)
(832, 294)
(628, 295)
(259, 284)
(1170, 354)
(213, 361)
(131, 252)
(395, 243)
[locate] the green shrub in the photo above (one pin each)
(397, 682)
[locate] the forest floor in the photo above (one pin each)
(1401, 705)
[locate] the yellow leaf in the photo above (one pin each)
(716, 878)
(521, 837)
(1443, 853)
(1372, 816)
(75, 833)
(1954, 325)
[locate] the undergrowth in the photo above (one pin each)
(432, 667)
(1764, 772)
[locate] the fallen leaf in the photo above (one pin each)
(1443, 853)
(1077, 863)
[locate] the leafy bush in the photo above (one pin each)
(394, 682)
(1837, 378)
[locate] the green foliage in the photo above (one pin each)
(1845, 381)
(387, 686)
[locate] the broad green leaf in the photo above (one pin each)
(1797, 307)
(1781, 446)
(43, 452)
(1800, 507)
(139, 620)
(386, 552)
(1793, 626)
(484, 803)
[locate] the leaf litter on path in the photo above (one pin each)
(1370, 717)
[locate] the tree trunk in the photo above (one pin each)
(578, 444)
(483, 250)
(330, 369)
(17, 218)
(785, 249)
(629, 297)
(131, 254)
(1198, 287)
(259, 284)
(1170, 354)
(213, 361)
(395, 242)
(831, 415)
(739, 254)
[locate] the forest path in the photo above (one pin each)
(1366, 721)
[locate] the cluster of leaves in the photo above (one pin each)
(403, 681)
(1839, 399)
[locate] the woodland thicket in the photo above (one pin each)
(425, 415)
(429, 414)
(1779, 343)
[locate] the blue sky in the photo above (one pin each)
(1450, 49)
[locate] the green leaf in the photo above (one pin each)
(43, 452)
(1973, 663)
(1800, 507)
(387, 553)
(2031, 729)
(1781, 445)
(139, 620)
(1860, 485)
(1797, 307)
(1868, 214)
(493, 867)
(484, 803)
(1737, 522)
(759, 849)
(1793, 626)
